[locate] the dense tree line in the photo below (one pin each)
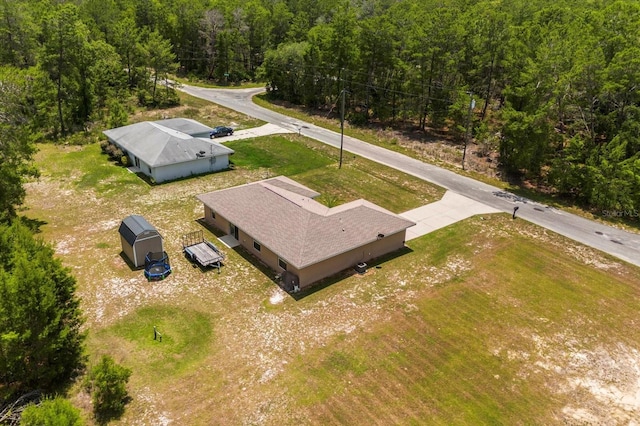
(555, 83)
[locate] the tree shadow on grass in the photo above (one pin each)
(130, 264)
(33, 224)
(104, 417)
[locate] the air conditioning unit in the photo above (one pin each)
(361, 268)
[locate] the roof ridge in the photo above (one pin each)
(169, 131)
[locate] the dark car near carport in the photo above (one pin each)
(220, 131)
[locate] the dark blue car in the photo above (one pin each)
(220, 131)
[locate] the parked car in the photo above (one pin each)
(220, 131)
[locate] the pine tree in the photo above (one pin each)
(41, 344)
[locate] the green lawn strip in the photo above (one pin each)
(279, 154)
(186, 338)
(87, 168)
(442, 358)
(313, 165)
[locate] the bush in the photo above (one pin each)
(144, 97)
(104, 146)
(110, 150)
(124, 160)
(107, 383)
(117, 114)
(358, 119)
(114, 152)
(78, 139)
(51, 412)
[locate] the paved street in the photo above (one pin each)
(619, 243)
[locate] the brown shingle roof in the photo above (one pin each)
(281, 215)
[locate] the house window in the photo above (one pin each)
(256, 245)
(282, 264)
(213, 214)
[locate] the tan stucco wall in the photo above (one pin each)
(265, 255)
(219, 222)
(313, 273)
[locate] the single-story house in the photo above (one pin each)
(279, 221)
(139, 237)
(170, 149)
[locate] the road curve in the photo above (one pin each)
(621, 244)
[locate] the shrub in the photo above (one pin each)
(107, 383)
(114, 152)
(80, 138)
(358, 119)
(51, 412)
(124, 160)
(144, 97)
(104, 145)
(110, 150)
(117, 114)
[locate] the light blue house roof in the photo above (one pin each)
(165, 142)
(186, 125)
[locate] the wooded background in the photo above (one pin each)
(555, 83)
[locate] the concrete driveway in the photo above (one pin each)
(254, 132)
(450, 209)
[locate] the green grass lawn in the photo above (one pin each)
(487, 321)
(185, 338)
(316, 166)
(468, 349)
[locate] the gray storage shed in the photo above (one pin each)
(139, 237)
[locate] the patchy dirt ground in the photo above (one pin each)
(260, 329)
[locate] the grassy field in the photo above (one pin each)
(488, 321)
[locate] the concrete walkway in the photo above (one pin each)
(229, 241)
(450, 209)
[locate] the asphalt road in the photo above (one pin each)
(619, 243)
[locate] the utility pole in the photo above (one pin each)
(341, 126)
(472, 104)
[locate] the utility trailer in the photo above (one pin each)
(201, 251)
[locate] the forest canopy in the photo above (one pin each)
(555, 83)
